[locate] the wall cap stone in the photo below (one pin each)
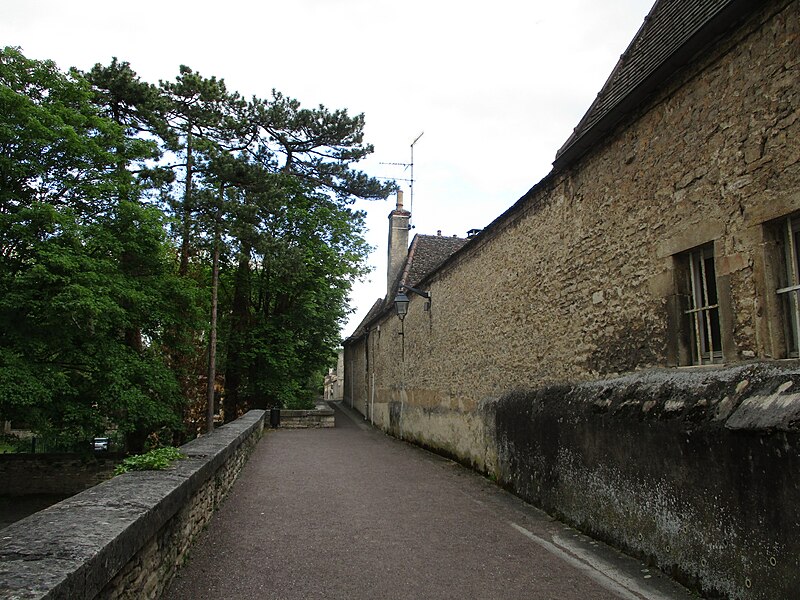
(321, 409)
(759, 397)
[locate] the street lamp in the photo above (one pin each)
(401, 300)
(401, 305)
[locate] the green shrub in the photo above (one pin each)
(7, 444)
(155, 460)
(302, 400)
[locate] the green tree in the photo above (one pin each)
(100, 325)
(205, 119)
(303, 251)
(140, 109)
(319, 146)
(81, 264)
(314, 150)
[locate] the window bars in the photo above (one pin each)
(703, 314)
(789, 293)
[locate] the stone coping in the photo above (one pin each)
(74, 548)
(321, 409)
(321, 416)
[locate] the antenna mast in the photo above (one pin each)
(412, 172)
(411, 181)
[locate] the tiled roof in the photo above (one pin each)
(373, 312)
(671, 33)
(425, 255)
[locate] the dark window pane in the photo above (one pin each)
(711, 280)
(716, 337)
(796, 257)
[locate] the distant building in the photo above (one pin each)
(334, 380)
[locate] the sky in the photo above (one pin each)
(494, 87)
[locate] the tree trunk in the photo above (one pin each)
(212, 342)
(240, 318)
(186, 224)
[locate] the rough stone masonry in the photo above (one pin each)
(580, 282)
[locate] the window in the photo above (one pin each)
(789, 283)
(702, 313)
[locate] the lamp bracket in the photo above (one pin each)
(422, 293)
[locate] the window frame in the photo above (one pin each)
(702, 309)
(788, 289)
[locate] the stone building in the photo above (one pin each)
(664, 241)
(333, 383)
(407, 266)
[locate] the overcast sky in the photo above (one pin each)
(496, 87)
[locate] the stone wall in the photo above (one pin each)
(356, 376)
(692, 471)
(578, 283)
(574, 283)
(126, 537)
(59, 474)
(321, 416)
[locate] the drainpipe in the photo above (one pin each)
(372, 402)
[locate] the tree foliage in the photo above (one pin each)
(299, 253)
(80, 265)
(117, 197)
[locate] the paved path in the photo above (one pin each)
(351, 513)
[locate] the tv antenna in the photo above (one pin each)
(406, 166)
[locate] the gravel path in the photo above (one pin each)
(351, 513)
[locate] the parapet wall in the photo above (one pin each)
(694, 471)
(126, 537)
(320, 417)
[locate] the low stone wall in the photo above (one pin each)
(321, 416)
(693, 470)
(58, 474)
(126, 537)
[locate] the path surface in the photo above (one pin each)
(351, 513)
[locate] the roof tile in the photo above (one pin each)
(667, 30)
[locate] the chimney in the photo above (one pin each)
(398, 243)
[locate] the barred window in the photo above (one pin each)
(790, 283)
(703, 307)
